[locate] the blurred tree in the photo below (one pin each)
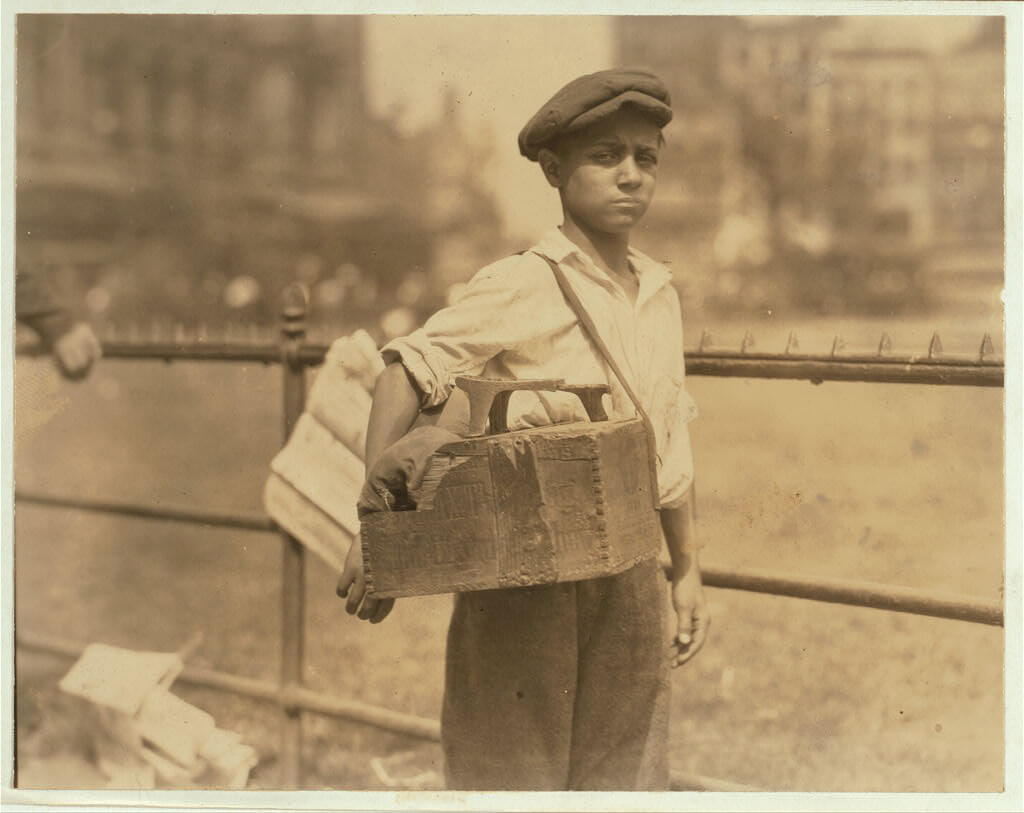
(214, 159)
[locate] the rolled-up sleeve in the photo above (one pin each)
(492, 315)
(675, 470)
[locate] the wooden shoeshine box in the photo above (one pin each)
(550, 504)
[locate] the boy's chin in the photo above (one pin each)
(620, 224)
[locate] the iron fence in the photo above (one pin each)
(296, 356)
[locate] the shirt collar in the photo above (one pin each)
(651, 275)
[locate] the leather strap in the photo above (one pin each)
(591, 330)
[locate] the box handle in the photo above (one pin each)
(489, 397)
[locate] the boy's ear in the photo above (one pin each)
(551, 165)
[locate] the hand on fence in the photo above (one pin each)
(352, 588)
(76, 351)
(693, 618)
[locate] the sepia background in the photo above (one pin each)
(823, 176)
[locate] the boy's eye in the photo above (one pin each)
(647, 159)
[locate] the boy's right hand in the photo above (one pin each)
(352, 588)
(392, 479)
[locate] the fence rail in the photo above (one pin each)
(980, 370)
(297, 699)
(854, 593)
(295, 357)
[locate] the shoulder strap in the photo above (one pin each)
(591, 330)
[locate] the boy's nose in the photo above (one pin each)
(629, 172)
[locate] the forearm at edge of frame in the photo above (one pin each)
(679, 527)
(395, 407)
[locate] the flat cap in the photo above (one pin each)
(591, 98)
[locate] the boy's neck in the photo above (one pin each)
(610, 252)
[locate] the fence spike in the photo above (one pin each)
(986, 348)
(748, 342)
(203, 333)
(705, 341)
(935, 346)
(884, 344)
(792, 343)
(837, 344)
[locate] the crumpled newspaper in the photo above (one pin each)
(144, 736)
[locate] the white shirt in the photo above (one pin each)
(512, 321)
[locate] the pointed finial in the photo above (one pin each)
(935, 346)
(748, 342)
(986, 348)
(792, 344)
(705, 341)
(837, 344)
(884, 344)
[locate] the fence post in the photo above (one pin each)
(293, 565)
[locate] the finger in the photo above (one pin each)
(371, 499)
(684, 628)
(684, 637)
(344, 583)
(383, 610)
(700, 631)
(369, 608)
(355, 596)
(685, 652)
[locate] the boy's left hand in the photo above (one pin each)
(693, 618)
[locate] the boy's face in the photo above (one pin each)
(606, 173)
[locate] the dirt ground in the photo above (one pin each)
(891, 483)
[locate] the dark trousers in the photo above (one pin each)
(559, 687)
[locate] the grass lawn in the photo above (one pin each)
(899, 484)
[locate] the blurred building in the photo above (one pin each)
(879, 116)
(847, 169)
(699, 181)
(459, 211)
(188, 166)
(775, 67)
(968, 138)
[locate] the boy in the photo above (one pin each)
(564, 686)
